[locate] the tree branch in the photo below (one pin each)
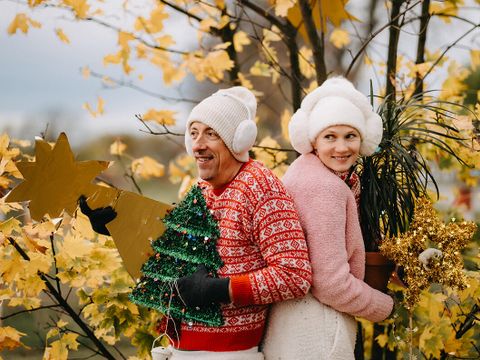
(469, 322)
(316, 42)
(150, 131)
(422, 39)
(290, 33)
(27, 311)
(62, 303)
(392, 54)
(448, 48)
(375, 34)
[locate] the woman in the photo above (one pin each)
(333, 127)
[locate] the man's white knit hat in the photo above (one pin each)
(231, 113)
(335, 102)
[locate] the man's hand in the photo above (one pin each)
(200, 289)
(98, 217)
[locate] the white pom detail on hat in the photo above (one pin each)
(335, 102)
(231, 113)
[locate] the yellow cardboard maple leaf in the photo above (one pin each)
(54, 181)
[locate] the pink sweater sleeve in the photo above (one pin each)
(323, 213)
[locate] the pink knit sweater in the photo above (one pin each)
(328, 214)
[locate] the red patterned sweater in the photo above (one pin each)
(264, 253)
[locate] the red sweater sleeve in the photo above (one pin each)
(279, 235)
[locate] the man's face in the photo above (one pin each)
(215, 163)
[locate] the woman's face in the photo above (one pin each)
(338, 147)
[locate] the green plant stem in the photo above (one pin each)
(66, 306)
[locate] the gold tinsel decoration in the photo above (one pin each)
(428, 230)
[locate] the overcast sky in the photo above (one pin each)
(40, 79)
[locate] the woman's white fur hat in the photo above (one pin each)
(231, 113)
(335, 102)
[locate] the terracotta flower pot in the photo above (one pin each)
(378, 270)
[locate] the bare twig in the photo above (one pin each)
(28, 311)
(133, 86)
(150, 131)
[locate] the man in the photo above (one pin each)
(261, 240)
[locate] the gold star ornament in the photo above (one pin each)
(427, 230)
(54, 181)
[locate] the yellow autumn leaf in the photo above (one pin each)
(339, 38)
(272, 34)
(117, 147)
(180, 167)
(171, 72)
(444, 9)
(73, 246)
(305, 61)
(433, 56)
(6, 152)
(332, 10)
(85, 72)
(147, 167)
(272, 158)
(240, 39)
(222, 46)
(420, 69)
(80, 7)
(382, 340)
(260, 69)
(211, 67)
(112, 58)
(35, 244)
(61, 323)
(367, 60)
(163, 117)
(8, 227)
(475, 59)
(284, 121)
(165, 41)
(56, 351)
(282, 7)
(52, 332)
(61, 35)
(100, 107)
(5, 208)
(22, 22)
(244, 81)
(187, 183)
(70, 340)
(10, 338)
(33, 3)
(154, 23)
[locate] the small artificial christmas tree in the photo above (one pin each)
(189, 240)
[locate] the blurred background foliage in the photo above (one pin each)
(64, 291)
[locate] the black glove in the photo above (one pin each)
(199, 289)
(98, 217)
